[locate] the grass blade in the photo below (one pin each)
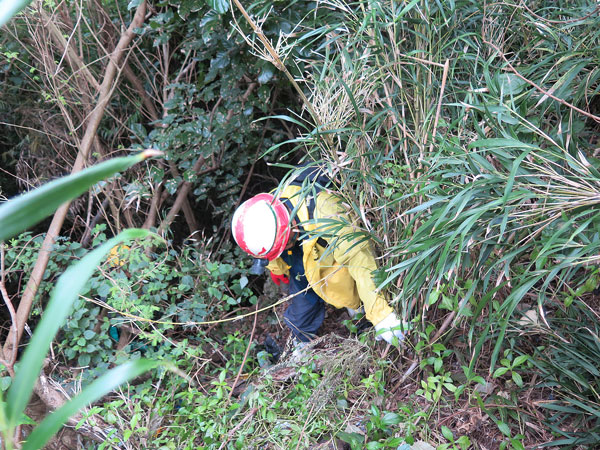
(8, 8)
(97, 389)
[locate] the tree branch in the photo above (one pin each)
(8, 360)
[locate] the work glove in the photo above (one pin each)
(389, 328)
(278, 279)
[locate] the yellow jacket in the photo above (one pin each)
(341, 272)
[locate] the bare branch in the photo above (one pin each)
(9, 360)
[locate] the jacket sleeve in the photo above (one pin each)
(361, 265)
(352, 249)
(279, 267)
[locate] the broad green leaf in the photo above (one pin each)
(391, 418)
(517, 379)
(520, 360)
(24, 211)
(220, 6)
(351, 438)
(447, 433)
(8, 8)
(62, 298)
(516, 444)
(500, 371)
(100, 387)
(504, 428)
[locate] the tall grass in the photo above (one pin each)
(464, 135)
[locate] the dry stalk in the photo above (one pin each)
(248, 416)
(276, 60)
(439, 105)
(345, 359)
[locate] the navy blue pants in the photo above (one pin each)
(306, 312)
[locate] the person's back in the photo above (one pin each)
(303, 232)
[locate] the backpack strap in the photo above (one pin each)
(311, 215)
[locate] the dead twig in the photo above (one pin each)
(439, 106)
(110, 79)
(304, 426)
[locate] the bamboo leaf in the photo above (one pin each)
(24, 211)
(8, 8)
(502, 143)
(96, 390)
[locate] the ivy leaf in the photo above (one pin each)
(184, 8)
(447, 303)
(265, 75)
(104, 290)
(221, 6)
(5, 383)
(89, 334)
(83, 360)
(133, 4)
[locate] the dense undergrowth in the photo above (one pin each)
(463, 137)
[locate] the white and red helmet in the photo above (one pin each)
(261, 226)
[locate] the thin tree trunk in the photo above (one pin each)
(154, 205)
(184, 190)
(106, 89)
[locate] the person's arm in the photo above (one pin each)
(361, 265)
(278, 267)
(354, 251)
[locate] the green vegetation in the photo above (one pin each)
(463, 137)
(15, 216)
